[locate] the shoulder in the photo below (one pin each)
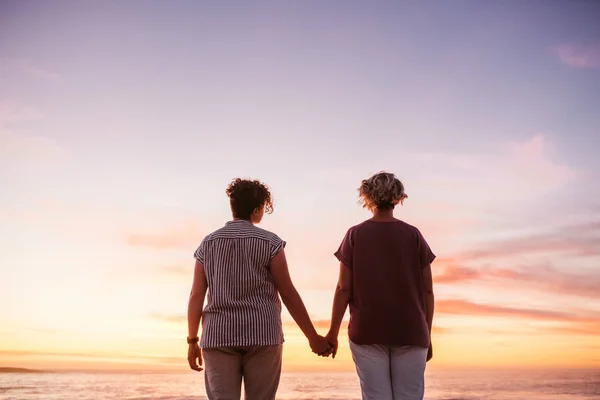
(408, 226)
(355, 229)
(412, 230)
(265, 234)
(212, 236)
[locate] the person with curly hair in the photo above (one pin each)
(385, 278)
(242, 270)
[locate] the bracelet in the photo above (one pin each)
(193, 340)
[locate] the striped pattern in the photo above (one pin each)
(243, 307)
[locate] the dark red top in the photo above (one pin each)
(387, 305)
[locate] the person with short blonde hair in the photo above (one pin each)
(385, 278)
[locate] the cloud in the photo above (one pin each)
(479, 264)
(582, 328)
(178, 270)
(19, 147)
(182, 235)
(561, 322)
(24, 67)
(581, 56)
(543, 278)
(533, 163)
(517, 171)
(172, 318)
(11, 113)
(464, 307)
(43, 330)
(15, 147)
(581, 239)
(118, 357)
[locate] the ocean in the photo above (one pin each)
(441, 385)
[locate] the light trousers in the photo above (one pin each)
(390, 372)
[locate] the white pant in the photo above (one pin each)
(390, 372)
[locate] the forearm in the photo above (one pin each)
(429, 307)
(341, 299)
(295, 306)
(194, 315)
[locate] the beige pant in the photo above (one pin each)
(260, 366)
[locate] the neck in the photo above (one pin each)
(383, 215)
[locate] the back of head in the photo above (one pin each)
(245, 196)
(382, 191)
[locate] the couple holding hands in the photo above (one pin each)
(385, 280)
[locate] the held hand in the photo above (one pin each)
(320, 346)
(333, 342)
(195, 357)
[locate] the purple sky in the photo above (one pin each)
(121, 123)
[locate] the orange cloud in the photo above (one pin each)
(464, 307)
(565, 323)
(174, 318)
(179, 270)
(544, 278)
(478, 264)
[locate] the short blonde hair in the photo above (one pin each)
(382, 191)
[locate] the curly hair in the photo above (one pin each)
(247, 195)
(382, 191)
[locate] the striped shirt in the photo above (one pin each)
(243, 306)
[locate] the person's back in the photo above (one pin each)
(387, 303)
(243, 307)
(385, 278)
(242, 270)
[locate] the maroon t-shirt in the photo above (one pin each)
(387, 305)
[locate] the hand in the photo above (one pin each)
(333, 342)
(194, 353)
(320, 346)
(430, 352)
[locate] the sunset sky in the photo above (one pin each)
(121, 124)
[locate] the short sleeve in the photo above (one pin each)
(346, 250)
(275, 245)
(199, 253)
(426, 256)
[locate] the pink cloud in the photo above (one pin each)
(541, 278)
(11, 113)
(579, 56)
(27, 148)
(18, 147)
(533, 163)
(24, 67)
(516, 171)
(182, 235)
(581, 240)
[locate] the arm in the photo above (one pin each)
(194, 314)
(428, 291)
(429, 302)
(341, 298)
(293, 302)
